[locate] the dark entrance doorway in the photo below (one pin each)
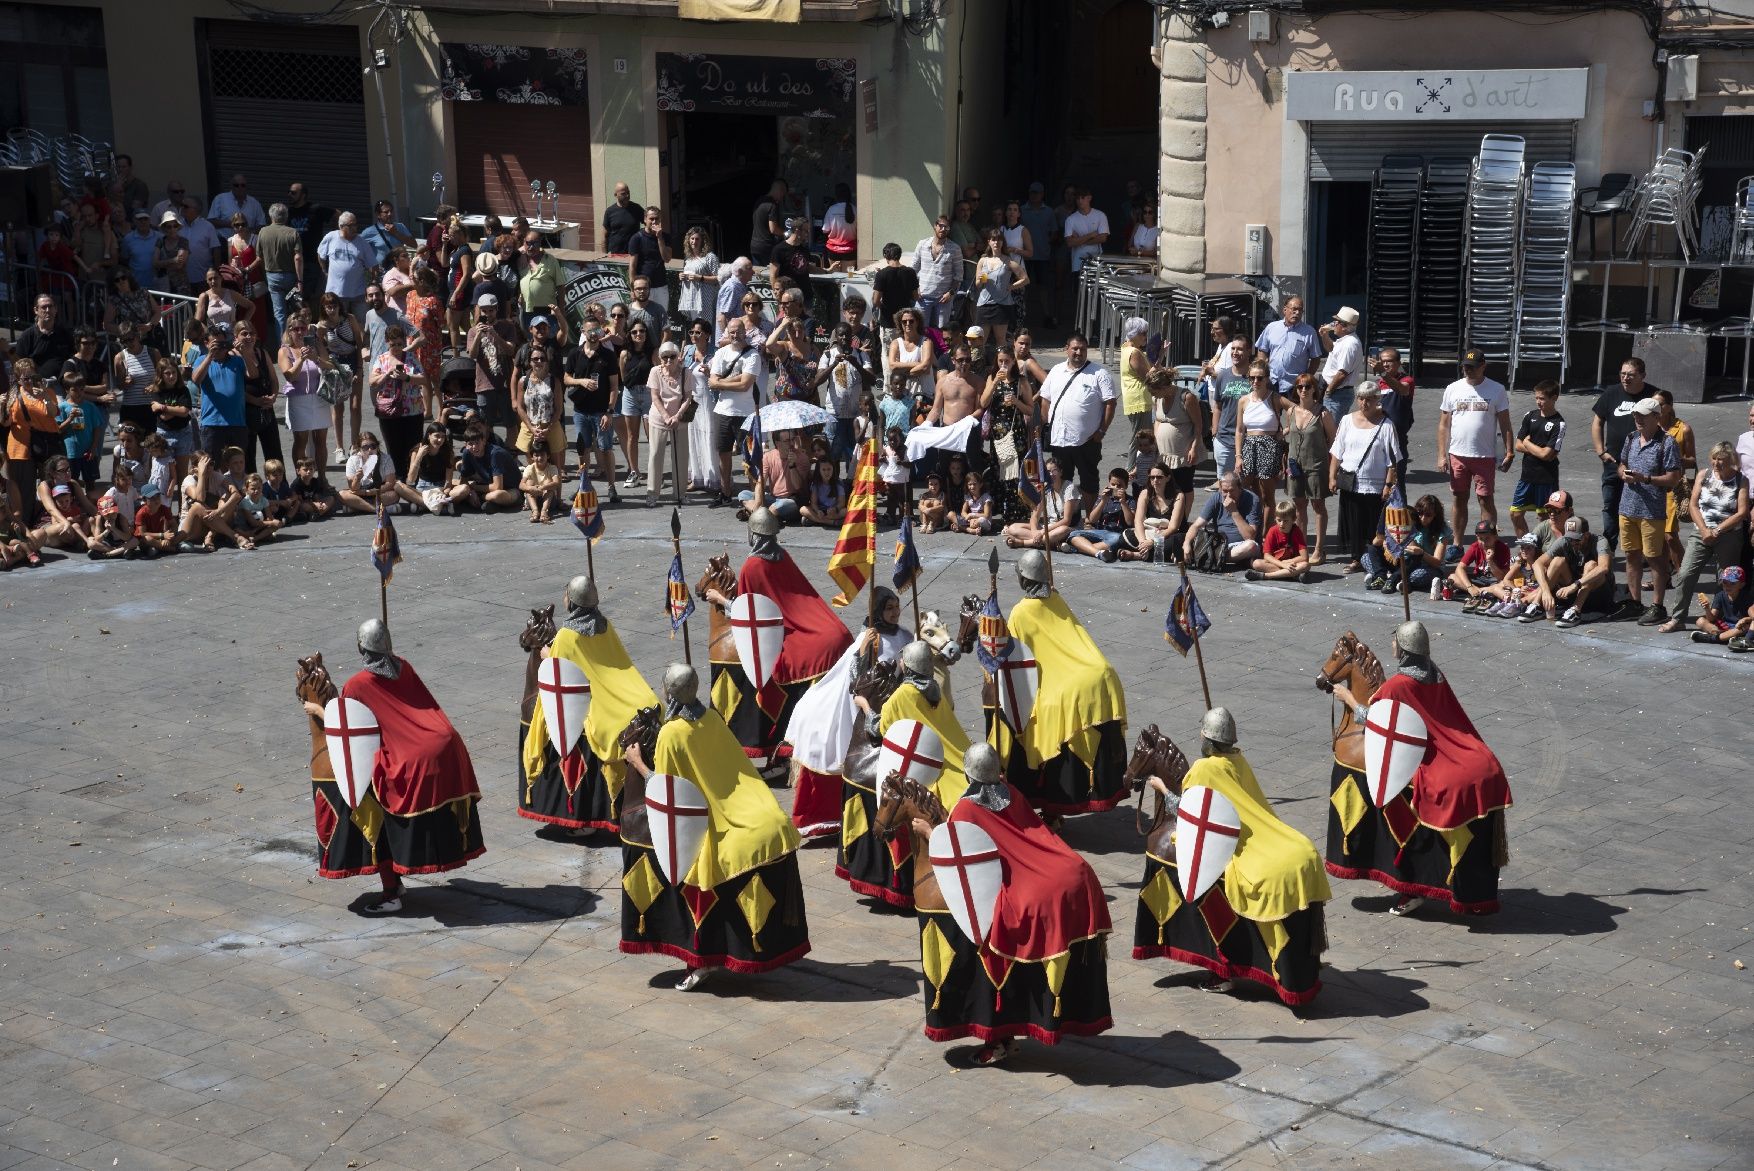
(1339, 240)
(721, 166)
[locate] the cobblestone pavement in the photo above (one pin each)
(178, 990)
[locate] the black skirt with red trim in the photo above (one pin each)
(440, 839)
(1390, 846)
(546, 797)
(1211, 935)
(714, 928)
(343, 850)
(1014, 999)
(1064, 784)
(758, 732)
(868, 863)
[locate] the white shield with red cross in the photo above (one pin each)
(677, 814)
(913, 750)
(1207, 827)
(758, 628)
(351, 731)
(1395, 739)
(565, 695)
(966, 863)
(1018, 680)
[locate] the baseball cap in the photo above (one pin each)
(1486, 526)
(1577, 527)
(63, 490)
(487, 299)
(107, 506)
(1347, 314)
(1647, 406)
(1473, 357)
(149, 489)
(140, 213)
(1559, 499)
(1528, 541)
(974, 331)
(1730, 575)
(540, 320)
(1036, 188)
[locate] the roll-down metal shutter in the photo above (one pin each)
(286, 103)
(1348, 152)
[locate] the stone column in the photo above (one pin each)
(1181, 194)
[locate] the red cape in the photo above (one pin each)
(1460, 779)
(1051, 898)
(422, 763)
(815, 636)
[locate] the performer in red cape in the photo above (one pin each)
(815, 638)
(1042, 970)
(1443, 836)
(425, 819)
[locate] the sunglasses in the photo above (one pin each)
(368, 447)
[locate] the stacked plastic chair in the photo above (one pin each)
(1668, 196)
(1495, 200)
(1393, 253)
(1443, 209)
(1544, 300)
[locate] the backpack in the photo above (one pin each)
(1211, 551)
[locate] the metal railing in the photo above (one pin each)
(83, 303)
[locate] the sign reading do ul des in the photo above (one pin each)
(809, 87)
(1436, 95)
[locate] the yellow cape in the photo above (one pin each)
(618, 690)
(1276, 870)
(1078, 690)
(746, 827)
(909, 703)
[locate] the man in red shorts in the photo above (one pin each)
(1475, 417)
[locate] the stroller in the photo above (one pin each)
(457, 404)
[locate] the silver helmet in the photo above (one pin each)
(980, 764)
(581, 593)
(1413, 639)
(681, 683)
(1219, 726)
(374, 637)
(763, 522)
(917, 658)
(1033, 567)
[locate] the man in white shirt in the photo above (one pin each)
(939, 262)
(1086, 230)
(1345, 362)
(228, 203)
(1745, 447)
(1080, 399)
(206, 248)
(738, 376)
(1475, 414)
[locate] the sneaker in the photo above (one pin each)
(339, 458)
(1108, 555)
(1532, 613)
(632, 480)
(614, 496)
(1654, 615)
(1568, 619)
(1739, 644)
(1704, 637)
(1303, 578)
(1376, 583)
(384, 906)
(1252, 575)
(721, 501)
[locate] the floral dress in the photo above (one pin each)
(427, 316)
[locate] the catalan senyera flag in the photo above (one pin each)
(386, 549)
(855, 553)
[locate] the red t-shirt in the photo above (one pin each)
(1475, 558)
(150, 522)
(57, 256)
(1282, 544)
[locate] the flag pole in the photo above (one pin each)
(1406, 589)
(383, 582)
(676, 548)
(993, 569)
(1199, 659)
(913, 586)
(1041, 487)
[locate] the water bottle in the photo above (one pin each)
(1436, 588)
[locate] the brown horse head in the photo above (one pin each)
(1155, 755)
(718, 576)
(970, 622)
(877, 682)
(314, 684)
(1350, 657)
(900, 801)
(643, 731)
(539, 631)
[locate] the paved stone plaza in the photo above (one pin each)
(178, 990)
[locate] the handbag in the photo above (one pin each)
(1348, 481)
(336, 385)
(686, 415)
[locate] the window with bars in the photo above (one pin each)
(277, 76)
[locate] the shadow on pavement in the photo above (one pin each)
(807, 981)
(1157, 1062)
(1365, 992)
(1533, 912)
(469, 902)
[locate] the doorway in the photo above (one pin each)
(1339, 241)
(720, 167)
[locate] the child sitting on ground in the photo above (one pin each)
(540, 485)
(1284, 556)
(976, 515)
(824, 503)
(931, 504)
(252, 517)
(282, 496)
(18, 545)
(154, 530)
(1485, 563)
(1511, 594)
(161, 465)
(317, 498)
(115, 514)
(1726, 620)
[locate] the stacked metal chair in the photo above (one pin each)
(1495, 200)
(1544, 298)
(1742, 234)
(1443, 209)
(1668, 196)
(1393, 253)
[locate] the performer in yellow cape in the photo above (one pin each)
(870, 864)
(740, 904)
(1264, 922)
(582, 790)
(1072, 754)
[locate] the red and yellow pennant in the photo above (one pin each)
(855, 553)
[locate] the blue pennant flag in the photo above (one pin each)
(386, 549)
(1397, 522)
(1186, 620)
(678, 602)
(1029, 477)
(995, 635)
(752, 453)
(907, 558)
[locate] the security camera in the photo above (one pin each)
(1221, 20)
